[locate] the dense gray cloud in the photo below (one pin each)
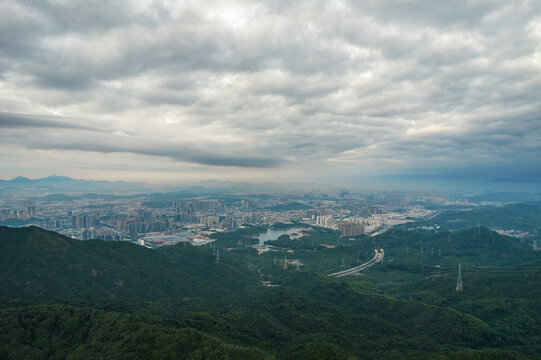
(79, 140)
(8, 120)
(300, 87)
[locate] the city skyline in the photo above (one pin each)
(333, 93)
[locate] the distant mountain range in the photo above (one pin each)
(64, 184)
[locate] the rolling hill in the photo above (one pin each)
(50, 284)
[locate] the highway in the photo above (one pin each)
(378, 257)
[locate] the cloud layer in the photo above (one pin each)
(292, 88)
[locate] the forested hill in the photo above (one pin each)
(61, 332)
(522, 216)
(59, 297)
(39, 265)
(476, 246)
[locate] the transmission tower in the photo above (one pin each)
(459, 279)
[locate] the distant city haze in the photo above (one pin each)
(375, 94)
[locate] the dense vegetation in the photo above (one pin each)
(523, 216)
(42, 266)
(60, 332)
(506, 298)
(120, 300)
(323, 250)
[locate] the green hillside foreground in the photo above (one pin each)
(180, 293)
(60, 332)
(38, 265)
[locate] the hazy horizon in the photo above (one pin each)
(423, 183)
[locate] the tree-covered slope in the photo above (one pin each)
(476, 246)
(309, 315)
(507, 299)
(37, 265)
(60, 332)
(522, 216)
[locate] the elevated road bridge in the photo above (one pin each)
(378, 257)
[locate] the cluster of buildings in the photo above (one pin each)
(175, 237)
(348, 228)
(136, 226)
(131, 218)
(22, 210)
(83, 221)
(101, 234)
(325, 221)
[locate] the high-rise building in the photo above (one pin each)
(351, 229)
(325, 220)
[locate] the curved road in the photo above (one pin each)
(378, 256)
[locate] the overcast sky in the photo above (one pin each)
(286, 91)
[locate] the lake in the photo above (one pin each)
(274, 234)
